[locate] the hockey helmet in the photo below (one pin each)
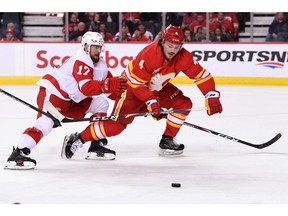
(173, 34)
(92, 38)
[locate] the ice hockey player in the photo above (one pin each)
(76, 88)
(149, 89)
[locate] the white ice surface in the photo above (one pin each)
(212, 170)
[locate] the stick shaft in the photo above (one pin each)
(258, 146)
(56, 121)
(51, 109)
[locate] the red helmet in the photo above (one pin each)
(173, 34)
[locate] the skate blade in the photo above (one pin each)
(27, 165)
(66, 139)
(95, 156)
(169, 152)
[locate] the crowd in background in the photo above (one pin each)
(144, 26)
(224, 27)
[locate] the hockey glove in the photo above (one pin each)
(153, 105)
(161, 116)
(114, 85)
(212, 102)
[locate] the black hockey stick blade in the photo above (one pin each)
(55, 120)
(258, 146)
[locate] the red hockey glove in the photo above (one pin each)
(153, 105)
(114, 85)
(212, 102)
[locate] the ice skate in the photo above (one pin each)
(169, 147)
(19, 160)
(97, 151)
(71, 144)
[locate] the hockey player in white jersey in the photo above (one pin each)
(74, 89)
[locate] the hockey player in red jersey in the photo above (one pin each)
(71, 88)
(149, 89)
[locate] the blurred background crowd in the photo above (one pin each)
(145, 26)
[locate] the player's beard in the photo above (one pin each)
(95, 58)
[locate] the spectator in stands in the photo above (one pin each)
(200, 35)
(102, 34)
(89, 16)
(282, 37)
(9, 37)
(224, 22)
(73, 23)
(112, 22)
(235, 24)
(152, 21)
(141, 27)
(107, 36)
(12, 20)
(82, 16)
(200, 21)
(94, 22)
(130, 19)
(79, 38)
(279, 24)
(187, 35)
(16, 31)
(232, 17)
(79, 32)
(137, 36)
(125, 34)
(188, 18)
(219, 36)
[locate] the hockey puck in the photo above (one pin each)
(176, 185)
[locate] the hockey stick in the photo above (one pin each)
(55, 120)
(258, 146)
(51, 109)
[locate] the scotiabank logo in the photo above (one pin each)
(53, 61)
(114, 62)
(45, 60)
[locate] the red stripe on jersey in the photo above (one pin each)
(56, 84)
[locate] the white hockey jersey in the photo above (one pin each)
(77, 79)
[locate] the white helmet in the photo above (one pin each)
(92, 38)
